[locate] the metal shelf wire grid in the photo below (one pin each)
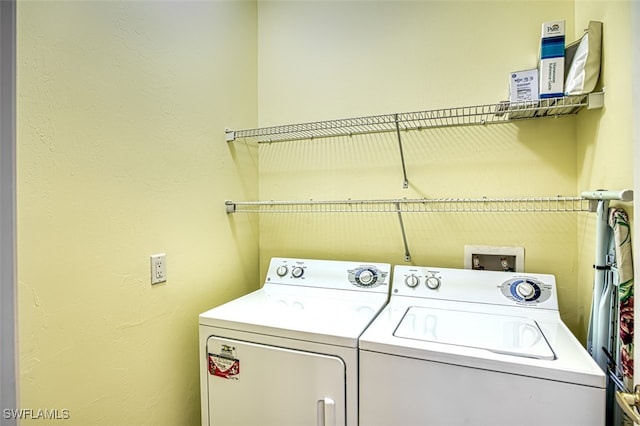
(419, 205)
(446, 117)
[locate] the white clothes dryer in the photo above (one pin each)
(478, 348)
(287, 354)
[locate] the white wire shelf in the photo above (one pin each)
(446, 117)
(587, 202)
(418, 205)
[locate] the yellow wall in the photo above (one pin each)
(121, 154)
(360, 58)
(604, 136)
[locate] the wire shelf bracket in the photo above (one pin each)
(600, 195)
(405, 181)
(407, 254)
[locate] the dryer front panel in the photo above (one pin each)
(255, 384)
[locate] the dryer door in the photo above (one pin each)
(255, 384)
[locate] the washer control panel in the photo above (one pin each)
(467, 285)
(526, 290)
(334, 274)
(431, 280)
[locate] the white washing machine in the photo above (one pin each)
(287, 354)
(479, 348)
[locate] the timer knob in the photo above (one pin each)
(525, 290)
(366, 277)
(282, 271)
(433, 282)
(297, 271)
(412, 281)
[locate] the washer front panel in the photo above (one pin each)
(418, 392)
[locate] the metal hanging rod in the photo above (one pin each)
(418, 205)
(446, 117)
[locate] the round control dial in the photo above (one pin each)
(366, 277)
(433, 282)
(526, 290)
(282, 271)
(297, 272)
(412, 281)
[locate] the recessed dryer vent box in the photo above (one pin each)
(493, 258)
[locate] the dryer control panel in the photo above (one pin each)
(467, 285)
(331, 274)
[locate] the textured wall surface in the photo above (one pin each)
(122, 108)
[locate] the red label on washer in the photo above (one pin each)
(225, 364)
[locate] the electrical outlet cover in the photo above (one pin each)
(158, 268)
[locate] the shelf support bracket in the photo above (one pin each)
(594, 197)
(230, 206)
(407, 255)
(405, 182)
(230, 135)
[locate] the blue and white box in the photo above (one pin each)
(552, 59)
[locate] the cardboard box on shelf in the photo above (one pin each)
(552, 59)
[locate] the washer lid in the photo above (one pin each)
(503, 334)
